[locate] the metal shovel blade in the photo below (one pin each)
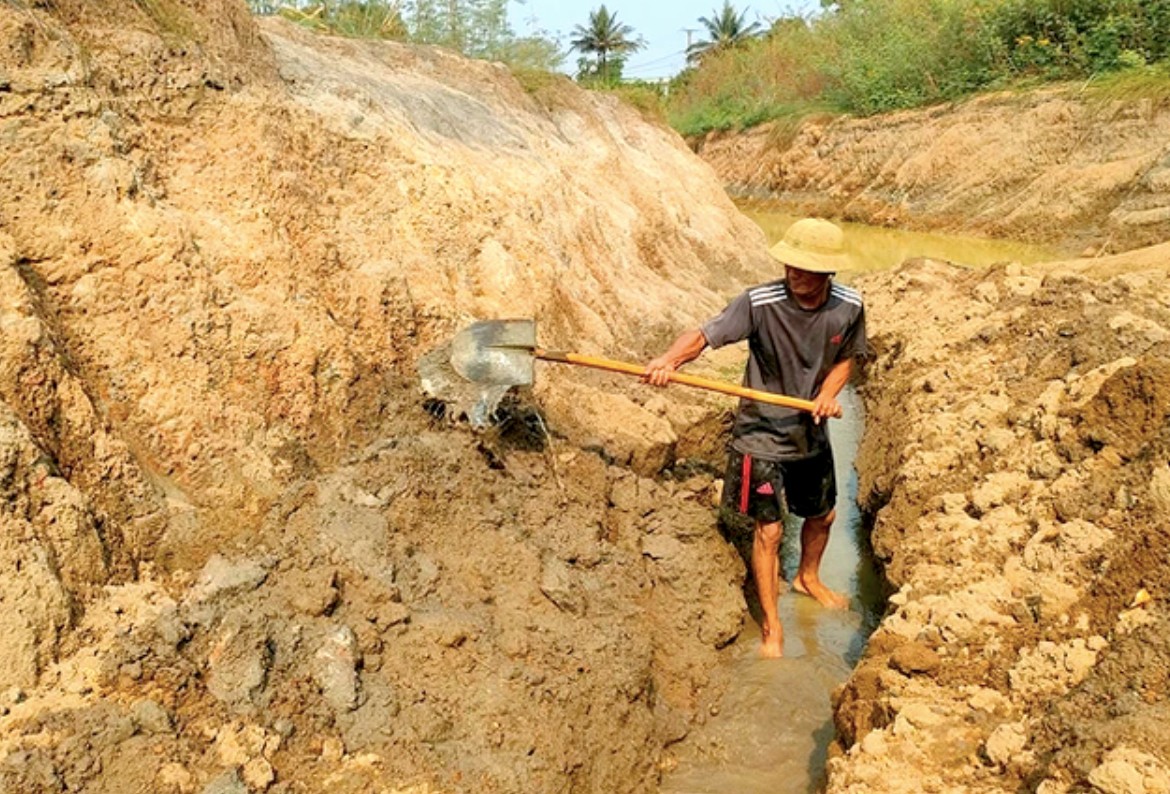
(496, 352)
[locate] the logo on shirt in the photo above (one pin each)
(837, 339)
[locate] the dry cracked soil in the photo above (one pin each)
(1016, 465)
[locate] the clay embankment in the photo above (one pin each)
(1016, 456)
(236, 550)
(1049, 166)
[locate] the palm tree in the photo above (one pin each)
(725, 28)
(604, 36)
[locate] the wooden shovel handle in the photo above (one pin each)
(676, 377)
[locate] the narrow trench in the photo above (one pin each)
(775, 725)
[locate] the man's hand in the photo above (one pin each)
(686, 348)
(826, 407)
(659, 370)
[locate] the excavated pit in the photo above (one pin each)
(238, 551)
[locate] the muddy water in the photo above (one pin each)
(775, 724)
(880, 248)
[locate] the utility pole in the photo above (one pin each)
(690, 36)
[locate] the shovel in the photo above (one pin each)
(502, 353)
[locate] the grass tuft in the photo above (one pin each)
(1133, 85)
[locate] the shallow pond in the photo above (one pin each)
(881, 248)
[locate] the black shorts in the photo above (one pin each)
(808, 486)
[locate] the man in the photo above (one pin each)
(803, 334)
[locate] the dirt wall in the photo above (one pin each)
(1016, 460)
(239, 553)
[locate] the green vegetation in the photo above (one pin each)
(872, 56)
(648, 98)
(353, 19)
(1150, 83)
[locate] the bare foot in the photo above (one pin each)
(815, 588)
(772, 645)
(770, 649)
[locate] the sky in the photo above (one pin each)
(662, 23)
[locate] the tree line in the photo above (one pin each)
(480, 29)
(853, 56)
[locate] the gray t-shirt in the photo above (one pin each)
(790, 351)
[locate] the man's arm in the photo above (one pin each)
(825, 403)
(686, 348)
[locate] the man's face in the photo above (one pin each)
(804, 284)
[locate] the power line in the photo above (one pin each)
(646, 72)
(660, 59)
(656, 62)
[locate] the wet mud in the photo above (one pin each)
(475, 612)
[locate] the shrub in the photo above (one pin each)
(870, 56)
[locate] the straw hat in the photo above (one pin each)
(814, 245)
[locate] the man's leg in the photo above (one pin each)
(766, 570)
(814, 537)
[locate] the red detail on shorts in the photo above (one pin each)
(745, 483)
(837, 339)
(766, 490)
